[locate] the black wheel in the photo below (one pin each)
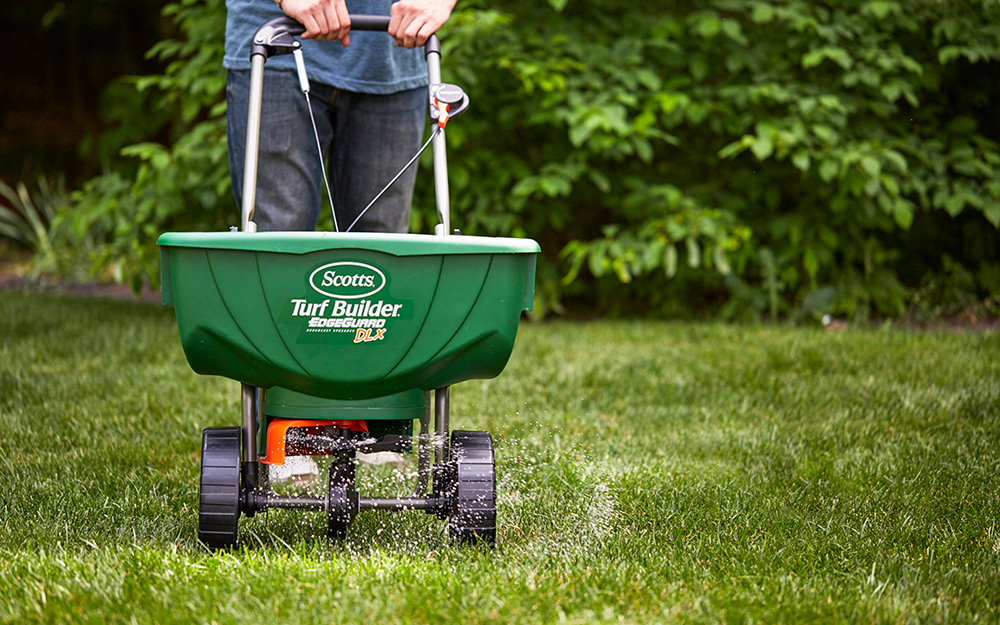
(474, 495)
(342, 499)
(219, 495)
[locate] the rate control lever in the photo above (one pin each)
(447, 101)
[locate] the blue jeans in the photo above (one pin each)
(366, 140)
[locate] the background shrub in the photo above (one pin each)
(739, 158)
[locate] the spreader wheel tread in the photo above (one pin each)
(475, 515)
(342, 499)
(219, 492)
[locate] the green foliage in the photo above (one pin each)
(587, 157)
(792, 147)
(855, 131)
(154, 187)
(185, 186)
(747, 157)
(27, 221)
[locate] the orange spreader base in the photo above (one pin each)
(277, 431)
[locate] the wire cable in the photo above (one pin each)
(395, 178)
(300, 67)
(322, 167)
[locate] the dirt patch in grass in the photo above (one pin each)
(14, 277)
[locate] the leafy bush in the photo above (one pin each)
(743, 157)
(28, 221)
(154, 187)
(792, 146)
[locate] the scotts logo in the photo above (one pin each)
(347, 280)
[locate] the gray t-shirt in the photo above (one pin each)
(371, 64)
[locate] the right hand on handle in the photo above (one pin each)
(324, 20)
(412, 22)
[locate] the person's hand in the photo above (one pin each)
(413, 21)
(324, 19)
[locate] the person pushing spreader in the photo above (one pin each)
(342, 340)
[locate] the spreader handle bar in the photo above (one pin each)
(277, 36)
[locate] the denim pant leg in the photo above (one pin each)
(289, 178)
(374, 137)
(371, 136)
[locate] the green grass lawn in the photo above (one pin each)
(648, 472)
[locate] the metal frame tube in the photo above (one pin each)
(296, 503)
(248, 453)
(252, 143)
(424, 450)
(364, 503)
(248, 393)
(397, 503)
(442, 406)
(248, 409)
(441, 194)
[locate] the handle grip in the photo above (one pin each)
(277, 36)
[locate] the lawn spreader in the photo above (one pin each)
(342, 340)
